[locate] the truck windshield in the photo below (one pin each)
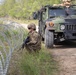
(61, 12)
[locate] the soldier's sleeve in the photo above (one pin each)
(34, 38)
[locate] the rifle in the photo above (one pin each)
(24, 43)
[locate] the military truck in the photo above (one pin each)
(56, 24)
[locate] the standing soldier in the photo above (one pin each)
(66, 3)
(33, 41)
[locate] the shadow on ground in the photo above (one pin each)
(66, 44)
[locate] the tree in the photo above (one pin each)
(22, 9)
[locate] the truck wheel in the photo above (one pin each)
(49, 38)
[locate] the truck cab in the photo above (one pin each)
(56, 24)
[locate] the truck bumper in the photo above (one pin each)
(70, 36)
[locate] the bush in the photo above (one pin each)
(41, 63)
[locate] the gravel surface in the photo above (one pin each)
(66, 56)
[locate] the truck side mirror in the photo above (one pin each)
(35, 15)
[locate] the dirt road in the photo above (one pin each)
(66, 56)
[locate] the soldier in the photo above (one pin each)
(33, 41)
(66, 3)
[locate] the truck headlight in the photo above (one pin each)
(50, 24)
(62, 27)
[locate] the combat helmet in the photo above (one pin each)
(31, 26)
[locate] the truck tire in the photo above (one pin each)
(49, 38)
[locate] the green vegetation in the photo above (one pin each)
(41, 63)
(38, 64)
(22, 9)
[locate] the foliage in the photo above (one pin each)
(41, 63)
(22, 9)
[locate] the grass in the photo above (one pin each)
(25, 21)
(41, 63)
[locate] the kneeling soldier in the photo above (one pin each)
(33, 41)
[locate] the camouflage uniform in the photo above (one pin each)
(35, 41)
